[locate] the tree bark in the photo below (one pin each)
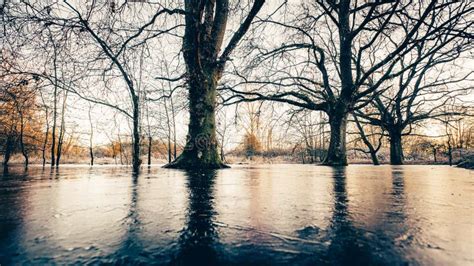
(201, 149)
(136, 161)
(336, 155)
(396, 148)
(338, 113)
(205, 28)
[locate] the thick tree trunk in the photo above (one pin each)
(338, 113)
(396, 148)
(205, 28)
(336, 155)
(201, 150)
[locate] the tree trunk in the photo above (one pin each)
(22, 142)
(338, 113)
(450, 154)
(365, 139)
(373, 156)
(60, 144)
(136, 161)
(24, 153)
(55, 107)
(336, 155)
(8, 151)
(173, 117)
(53, 130)
(222, 153)
(45, 142)
(205, 28)
(169, 148)
(396, 149)
(120, 149)
(201, 150)
(91, 151)
(168, 123)
(62, 130)
(149, 150)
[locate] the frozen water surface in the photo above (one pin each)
(259, 214)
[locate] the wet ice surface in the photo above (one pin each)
(265, 214)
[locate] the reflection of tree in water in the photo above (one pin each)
(350, 245)
(398, 216)
(398, 194)
(13, 209)
(198, 239)
(130, 248)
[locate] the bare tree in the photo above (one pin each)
(100, 41)
(323, 64)
(206, 23)
(433, 81)
(372, 150)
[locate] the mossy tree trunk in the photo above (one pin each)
(204, 34)
(201, 150)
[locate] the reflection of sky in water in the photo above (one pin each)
(280, 213)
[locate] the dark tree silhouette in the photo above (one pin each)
(333, 49)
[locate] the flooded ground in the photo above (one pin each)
(265, 215)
